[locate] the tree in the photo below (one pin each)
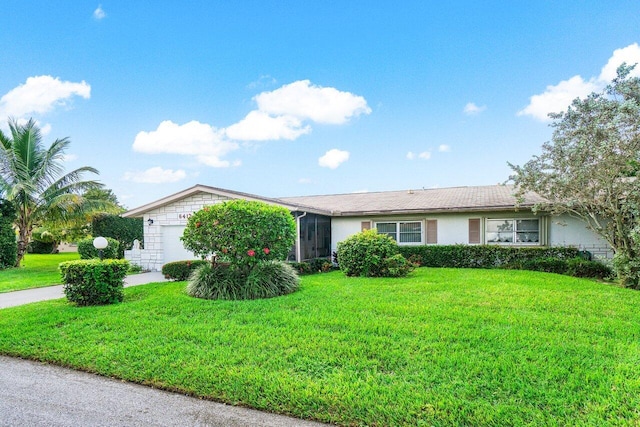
(589, 169)
(32, 177)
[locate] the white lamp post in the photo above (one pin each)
(100, 243)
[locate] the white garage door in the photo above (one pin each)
(173, 249)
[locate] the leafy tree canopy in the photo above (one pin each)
(590, 167)
(32, 177)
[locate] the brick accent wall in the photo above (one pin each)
(177, 213)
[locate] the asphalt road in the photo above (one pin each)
(36, 394)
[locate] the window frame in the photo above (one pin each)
(514, 231)
(398, 231)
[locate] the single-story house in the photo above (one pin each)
(440, 216)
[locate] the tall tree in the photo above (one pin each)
(590, 167)
(33, 178)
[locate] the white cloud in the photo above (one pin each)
(282, 113)
(333, 158)
(69, 157)
(629, 54)
(306, 101)
(99, 13)
(425, 155)
(197, 139)
(260, 126)
(304, 181)
(556, 98)
(472, 109)
(411, 155)
(444, 148)
(40, 94)
(155, 175)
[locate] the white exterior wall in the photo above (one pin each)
(152, 257)
(567, 231)
(454, 229)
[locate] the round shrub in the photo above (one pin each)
(397, 266)
(267, 279)
(241, 232)
(365, 254)
(181, 270)
(88, 251)
(94, 282)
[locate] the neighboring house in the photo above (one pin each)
(442, 216)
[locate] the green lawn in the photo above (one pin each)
(442, 347)
(36, 271)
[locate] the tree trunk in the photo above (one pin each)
(23, 241)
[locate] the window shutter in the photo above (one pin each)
(432, 231)
(474, 230)
(365, 225)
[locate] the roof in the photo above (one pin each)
(293, 206)
(434, 200)
(455, 199)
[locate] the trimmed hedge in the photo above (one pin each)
(8, 244)
(94, 282)
(181, 270)
(88, 251)
(481, 256)
(316, 265)
(39, 247)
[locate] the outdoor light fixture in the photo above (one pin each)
(150, 221)
(100, 243)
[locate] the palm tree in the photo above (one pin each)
(33, 178)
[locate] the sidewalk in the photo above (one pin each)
(12, 299)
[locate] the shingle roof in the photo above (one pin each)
(455, 199)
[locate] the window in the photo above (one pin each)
(402, 232)
(513, 231)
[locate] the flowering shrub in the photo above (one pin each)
(249, 237)
(241, 232)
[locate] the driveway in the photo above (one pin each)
(35, 394)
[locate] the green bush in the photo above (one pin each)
(88, 251)
(316, 265)
(267, 279)
(241, 232)
(270, 279)
(548, 265)
(8, 244)
(480, 256)
(579, 267)
(365, 254)
(397, 266)
(216, 282)
(94, 282)
(39, 247)
(181, 270)
(124, 230)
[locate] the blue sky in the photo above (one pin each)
(289, 98)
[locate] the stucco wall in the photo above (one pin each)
(454, 229)
(152, 257)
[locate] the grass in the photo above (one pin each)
(442, 347)
(37, 271)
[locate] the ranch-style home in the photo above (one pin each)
(441, 216)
